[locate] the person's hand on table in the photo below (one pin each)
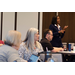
(62, 49)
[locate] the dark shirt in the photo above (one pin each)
(45, 43)
(56, 41)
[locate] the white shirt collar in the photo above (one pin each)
(58, 26)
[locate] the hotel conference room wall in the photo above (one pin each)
(0, 25)
(24, 21)
(8, 23)
(66, 18)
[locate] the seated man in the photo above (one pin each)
(48, 35)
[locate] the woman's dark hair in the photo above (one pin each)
(54, 20)
(46, 31)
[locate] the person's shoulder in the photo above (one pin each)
(4, 48)
(23, 43)
(38, 43)
(44, 40)
(11, 48)
(22, 46)
(8, 48)
(52, 25)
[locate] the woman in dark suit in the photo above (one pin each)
(58, 32)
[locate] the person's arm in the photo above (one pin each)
(41, 48)
(62, 35)
(1, 44)
(65, 27)
(56, 49)
(62, 32)
(56, 33)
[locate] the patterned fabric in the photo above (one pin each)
(26, 53)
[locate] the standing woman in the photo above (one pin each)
(58, 32)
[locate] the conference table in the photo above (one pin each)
(67, 52)
(67, 56)
(62, 56)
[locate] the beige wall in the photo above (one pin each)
(0, 25)
(25, 20)
(8, 23)
(41, 18)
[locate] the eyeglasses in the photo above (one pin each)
(50, 34)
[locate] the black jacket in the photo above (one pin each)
(56, 41)
(45, 43)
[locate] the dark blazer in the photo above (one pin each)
(56, 41)
(45, 43)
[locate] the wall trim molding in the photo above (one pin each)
(39, 21)
(1, 24)
(15, 25)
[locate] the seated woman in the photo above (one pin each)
(30, 45)
(8, 52)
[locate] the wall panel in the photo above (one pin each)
(47, 17)
(26, 20)
(0, 25)
(68, 18)
(8, 23)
